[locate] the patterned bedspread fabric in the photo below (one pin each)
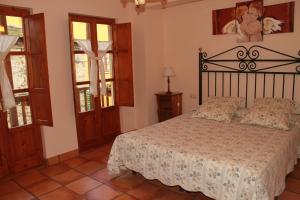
(222, 160)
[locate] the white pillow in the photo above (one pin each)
(272, 113)
(240, 101)
(295, 120)
(217, 109)
(276, 104)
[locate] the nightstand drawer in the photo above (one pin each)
(164, 115)
(165, 103)
(169, 105)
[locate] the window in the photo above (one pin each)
(26, 65)
(16, 66)
(98, 117)
(117, 62)
(102, 32)
(82, 66)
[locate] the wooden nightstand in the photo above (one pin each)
(169, 105)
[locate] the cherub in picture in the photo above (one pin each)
(249, 16)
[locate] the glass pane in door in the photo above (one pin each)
(2, 24)
(108, 99)
(104, 35)
(108, 66)
(19, 72)
(86, 102)
(21, 114)
(104, 32)
(81, 31)
(82, 66)
(15, 27)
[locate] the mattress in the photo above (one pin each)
(222, 160)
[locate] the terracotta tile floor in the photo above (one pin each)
(86, 177)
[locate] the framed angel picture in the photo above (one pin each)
(224, 21)
(249, 19)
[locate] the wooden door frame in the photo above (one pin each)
(3, 143)
(97, 113)
(14, 164)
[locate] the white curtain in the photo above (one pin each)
(103, 47)
(6, 43)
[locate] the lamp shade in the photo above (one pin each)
(168, 71)
(139, 2)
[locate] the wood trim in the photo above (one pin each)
(89, 18)
(38, 69)
(14, 11)
(72, 55)
(62, 157)
(90, 125)
(53, 160)
(88, 82)
(23, 144)
(124, 65)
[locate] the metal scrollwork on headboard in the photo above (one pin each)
(245, 53)
(246, 61)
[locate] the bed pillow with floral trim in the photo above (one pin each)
(240, 101)
(276, 103)
(214, 110)
(295, 120)
(267, 117)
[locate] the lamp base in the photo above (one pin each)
(168, 81)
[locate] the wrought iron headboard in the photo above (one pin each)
(247, 61)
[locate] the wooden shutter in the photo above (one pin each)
(123, 69)
(3, 144)
(38, 69)
(3, 141)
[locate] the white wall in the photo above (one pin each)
(169, 37)
(62, 137)
(189, 27)
(148, 61)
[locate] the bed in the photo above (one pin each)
(222, 160)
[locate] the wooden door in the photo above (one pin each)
(110, 120)
(25, 148)
(97, 117)
(86, 106)
(26, 66)
(123, 69)
(38, 69)
(3, 144)
(32, 96)
(88, 136)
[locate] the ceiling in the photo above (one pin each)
(171, 3)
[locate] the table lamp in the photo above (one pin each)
(168, 72)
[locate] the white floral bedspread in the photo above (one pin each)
(223, 161)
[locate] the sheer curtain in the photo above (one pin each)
(6, 43)
(103, 47)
